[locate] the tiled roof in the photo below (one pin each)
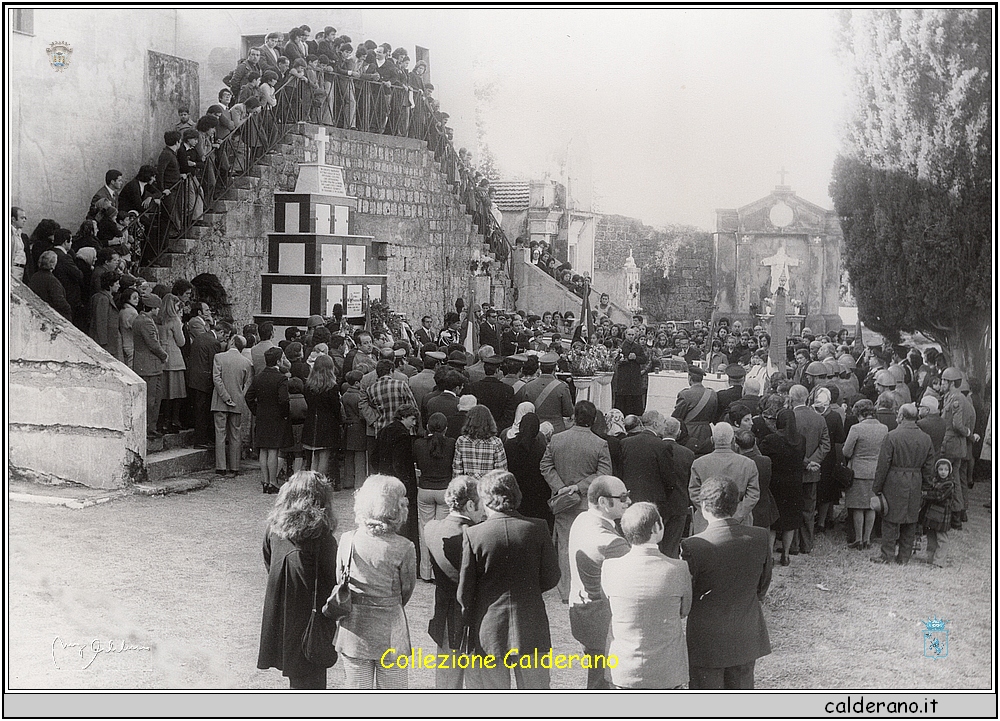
(512, 194)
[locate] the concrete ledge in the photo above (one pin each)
(74, 503)
(176, 462)
(172, 485)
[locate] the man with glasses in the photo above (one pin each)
(489, 330)
(592, 540)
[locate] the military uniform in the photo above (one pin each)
(557, 405)
(959, 420)
(696, 414)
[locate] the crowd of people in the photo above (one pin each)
(288, 79)
(544, 257)
(635, 517)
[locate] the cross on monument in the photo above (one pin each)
(779, 264)
(782, 173)
(321, 146)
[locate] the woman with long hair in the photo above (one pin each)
(524, 453)
(381, 569)
(171, 330)
(787, 450)
(861, 449)
(300, 555)
(434, 455)
(321, 430)
(478, 450)
(128, 302)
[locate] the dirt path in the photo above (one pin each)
(166, 592)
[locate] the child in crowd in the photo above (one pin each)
(935, 514)
(297, 417)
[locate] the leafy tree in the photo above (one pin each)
(913, 184)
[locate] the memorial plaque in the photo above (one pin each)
(331, 180)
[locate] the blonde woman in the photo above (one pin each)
(382, 568)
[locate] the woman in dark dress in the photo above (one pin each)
(787, 450)
(300, 555)
(765, 513)
(267, 399)
(524, 455)
(393, 456)
(433, 456)
(828, 492)
(321, 431)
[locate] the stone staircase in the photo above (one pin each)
(175, 455)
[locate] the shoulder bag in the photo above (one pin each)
(317, 639)
(339, 604)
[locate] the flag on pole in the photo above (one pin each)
(366, 305)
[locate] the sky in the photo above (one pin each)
(675, 112)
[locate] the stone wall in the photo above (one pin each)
(76, 414)
(404, 202)
(676, 266)
(538, 292)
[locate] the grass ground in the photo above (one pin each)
(180, 580)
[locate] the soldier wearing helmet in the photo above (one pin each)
(959, 419)
(900, 390)
(847, 380)
(815, 375)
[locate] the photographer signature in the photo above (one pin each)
(88, 651)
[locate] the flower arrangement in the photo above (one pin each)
(590, 360)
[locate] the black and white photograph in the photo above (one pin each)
(477, 349)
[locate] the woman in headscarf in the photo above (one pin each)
(522, 410)
(787, 450)
(524, 456)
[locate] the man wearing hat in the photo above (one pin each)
(735, 373)
(148, 358)
(905, 463)
(494, 393)
(512, 371)
(959, 420)
(476, 371)
(423, 382)
(551, 397)
(696, 408)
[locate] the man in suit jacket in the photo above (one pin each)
(113, 182)
(494, 393)
(592, 540)
(649, 594)
(572, 460)
(443, 539)
(69, 274)
(269, 52)
(678, 502)
(425, 333)
(725, 462)
(232, 373)
(725, 398)
(140, 192)
(450, 383)
(148, 358)
(204, 346)
(813, 428)
(730, 568)
(489, 331)
(508, 562)
(18, 245)
(650, 474)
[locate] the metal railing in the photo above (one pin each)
(340, 101)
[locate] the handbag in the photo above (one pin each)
(564, 501)
(339, 603)
(317, 639)
(844, 477)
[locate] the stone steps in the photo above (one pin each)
(170, 441)
(177, 461)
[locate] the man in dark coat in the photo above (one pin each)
(47, 287)
(69, 274)
(678, 502)
(444, 543)
(735, 374)
(203, 348)
(148, 358)
(696, 408)
(730, 568)
(508, 562)
(813, 428)
(489, 331)
(494, 393)
(905, 462)
(650, 474)
(630, 397)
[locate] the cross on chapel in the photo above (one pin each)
(779, 264)
(782, 173)
(321, 140)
